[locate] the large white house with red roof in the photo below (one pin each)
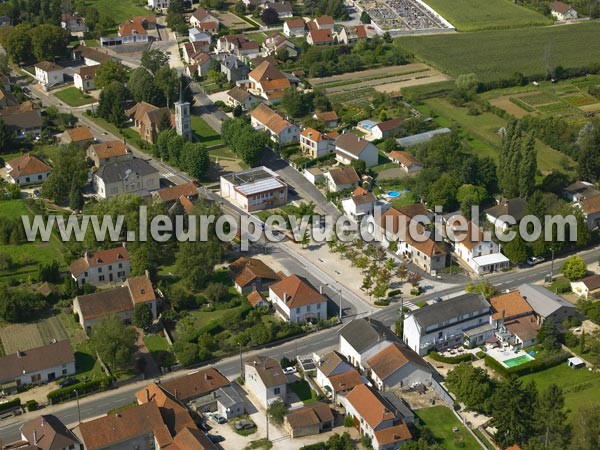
(102, 266)
(27, 169)
(297, 301)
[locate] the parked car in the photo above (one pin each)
(289, 370)
(219, 418)
(534, 260)
(243, 425)
(68, 382)
(215, 438)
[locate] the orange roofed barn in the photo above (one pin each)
(250, 274)
(297, 301)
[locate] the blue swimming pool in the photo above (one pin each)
(393, 194)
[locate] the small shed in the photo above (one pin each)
(575, 362)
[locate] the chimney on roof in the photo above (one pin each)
(86, 256)
(396, 437)
(176, 394)
(20, 354)
(43, 421)
(147, 395)
(285, 297)
(503, 313)
(35, 439)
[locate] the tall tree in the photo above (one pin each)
(142, 87)
(551, 418)
(6, 138)
(154, 59)
(167, 82)
(527, 168)
(113, 341)
(69, 174)
(49, 41)
(588, 160)
(586, 423)
(108, 72)
(512, 408)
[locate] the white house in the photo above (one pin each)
(158, 4)
(562, 11)
(268, 82)
(296, 301)
(360, 204)
(361, 339)
(84, 78)
(315, 143)
(376, 419)
(588, 287)
(442, 325)
(27, 169)
(282, 8)
(238, 96)
(350, 147)
(396, 366)
(132, 176)
(499, 214)
(294, 27)
(38, 365)
(254, 189)
(341, 178)
(407, 161)
(196, 35)
(265, 380)
(49, 74)
(336, 376)
(386, 128)
(476, 249)
(281, 130)
(205, 21)
(103, 266)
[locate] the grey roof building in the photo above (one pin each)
(133, 176)
(421, 137)
(234, 69)
(547, 305)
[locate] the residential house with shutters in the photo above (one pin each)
(257, 299)
(129, 32)
(349, 147)
(396, 367)
(254, 189)
(329, 118)
(238, 96)
(25, 119)
(317, 144)
(360, 204)
(120, 301)
(27, 169)
(406, 160)
(131, 176)
(84, 78)
(204, 21)
(196, 35)
(72, 22)
(251, 274)
(238, 45)
(102, 266)
(159, 4)
(265, 380)
(47, 432)
(514, 320)
(108, 152)
(353, 34)
(294, 27)
(80, 136)
(147, 119)
(37, 365)
(341, 178)
(476, 247)
(49, 74)
(499, 214)
(319, 37)
(321, 23)
(336, 376)
(234, 69)
(282, 8)
(313, 418)
(281, 130)
(562, 11)
(591, 210)
(376, 418)
(462, 320)
(90, 56)
(276, 43)
(170, 195)
(547, 305)
(268, 82)
(296, 301)
(193, 52)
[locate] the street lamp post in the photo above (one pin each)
(552, 265)
(241, 363)
(78, 410)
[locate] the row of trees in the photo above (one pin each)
(247, 143)
(517, 164)
(188, 156)
(25, 44)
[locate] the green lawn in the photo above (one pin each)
(471, 15)
(303, 391)
(13, 209)
(498, 54)
(160, 349)
(87, 364)
(204, 132)
(440, 421)
(121, 10)
(132, 136)
(481, 133)
(258, 37)
(578, 385)
(74, 97)
(202, 318)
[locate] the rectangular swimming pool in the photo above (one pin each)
(513, 362)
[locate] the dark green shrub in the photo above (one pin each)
(450, 359)
(10, 404)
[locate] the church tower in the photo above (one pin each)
(183, 121)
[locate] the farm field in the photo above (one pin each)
(498, 54)
(74, 97)
(473, 15)
(119, 11)
(568, 99)
(578, 385)
(440, 421)
(482, 133)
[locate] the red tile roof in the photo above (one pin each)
(101, 257)
(296, 292)
(80, 134)
(27, 165)
(369, 406)
(512, 303)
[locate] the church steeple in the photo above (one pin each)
(183, 121)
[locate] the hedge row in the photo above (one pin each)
(82, 388)
(536, 365)
(450, 359)
(10, 404)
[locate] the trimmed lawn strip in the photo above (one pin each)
(303, 391)
(440, 421)
(74, 97)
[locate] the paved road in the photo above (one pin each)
(207, 109)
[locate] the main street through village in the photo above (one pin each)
(289, 255)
